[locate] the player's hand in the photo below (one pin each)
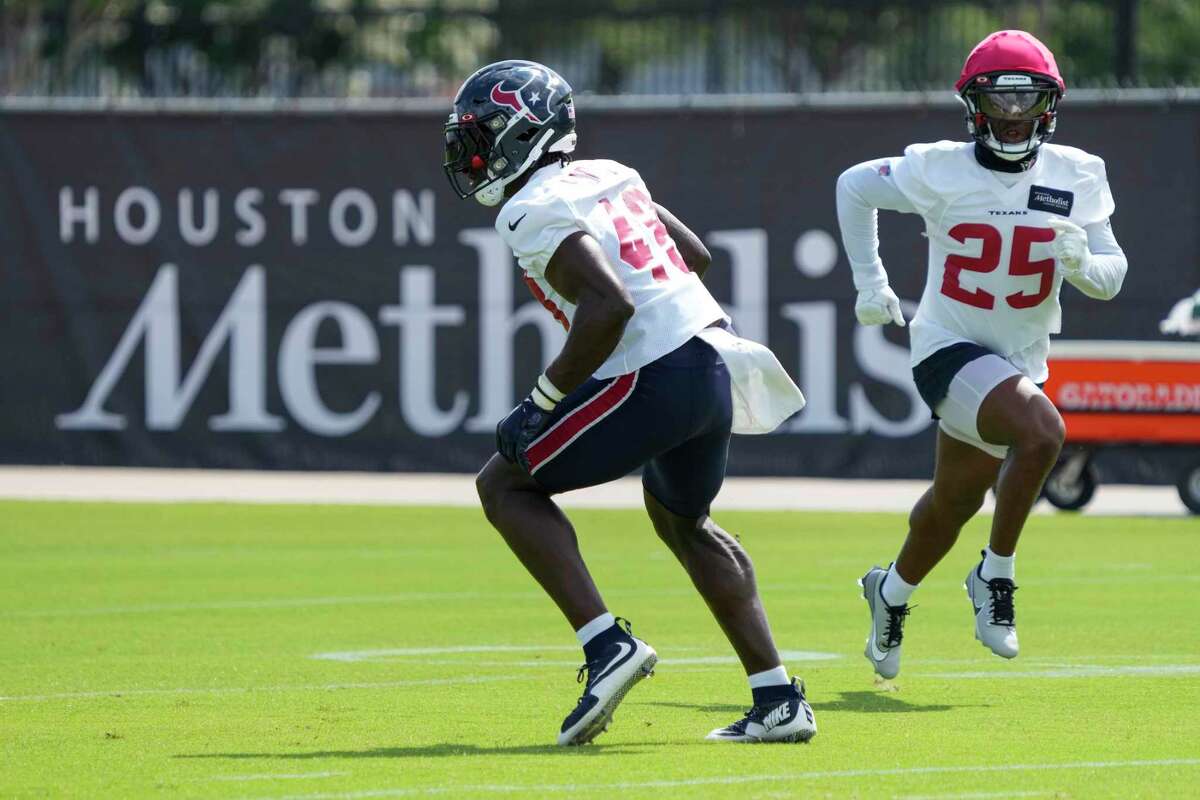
(878, 307)
(527, 421)
(517, 431)
(1070, 247)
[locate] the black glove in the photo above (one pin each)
(517, 431)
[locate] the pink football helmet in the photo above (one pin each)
(1010, 85)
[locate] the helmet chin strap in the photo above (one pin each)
(997, 147)
(1000, 148)
(492, 194)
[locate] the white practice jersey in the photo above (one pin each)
(991, 276)
(609, 202)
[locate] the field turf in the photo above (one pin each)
(218, 651)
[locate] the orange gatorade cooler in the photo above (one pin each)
(1123, 393)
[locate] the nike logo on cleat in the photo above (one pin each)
(626, 649)
(776, 717)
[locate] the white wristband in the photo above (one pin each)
(541, 401)
(549, 389)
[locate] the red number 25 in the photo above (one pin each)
(989, 258)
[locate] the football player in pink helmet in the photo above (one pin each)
(1009, 218)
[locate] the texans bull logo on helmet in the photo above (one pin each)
(524, 100)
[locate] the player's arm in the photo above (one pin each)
(861, 191)
(580, 272)
(693, 251)
(1089, 258)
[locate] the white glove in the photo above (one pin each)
(1184, 318)
(1070, 247)
(878, 307)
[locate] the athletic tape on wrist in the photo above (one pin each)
(549, 389)
(541, 401)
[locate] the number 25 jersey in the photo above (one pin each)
(609, 202)
(991, 275)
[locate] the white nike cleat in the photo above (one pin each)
(995, 617)
(789, 719)
(622, 664)
(887, 625)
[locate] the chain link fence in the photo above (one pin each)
(409, 48)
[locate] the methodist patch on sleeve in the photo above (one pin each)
(1056, 201)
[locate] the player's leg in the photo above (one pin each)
(991, 405)
(723, 574)
(1017, 414)
(962, 475)
(541, 537)
(679, 487)
(579, 448)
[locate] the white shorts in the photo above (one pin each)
(959, 411)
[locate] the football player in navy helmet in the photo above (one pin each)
(646, 379)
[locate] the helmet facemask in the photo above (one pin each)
(1011, 114)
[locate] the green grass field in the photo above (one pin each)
(337, 652)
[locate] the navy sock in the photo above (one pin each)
(595, 648)
(770, 695)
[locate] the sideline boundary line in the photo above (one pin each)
(733, 780)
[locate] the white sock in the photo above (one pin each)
(597, 626)
(770, 677)
(896, 590)
(995, 566)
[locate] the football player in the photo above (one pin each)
(1009, 217)
(650, 377)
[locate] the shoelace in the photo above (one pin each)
(755, 714)
(759, 712)
(595, 667)
(1003, 612)
(894, 633)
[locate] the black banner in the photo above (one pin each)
(303, 291)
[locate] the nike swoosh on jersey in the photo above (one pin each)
(616, 662)
(512, 226)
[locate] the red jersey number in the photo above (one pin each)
(989, 258)
(633, 218)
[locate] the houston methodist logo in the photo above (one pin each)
(516, 100)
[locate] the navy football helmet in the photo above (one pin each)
(506, 117)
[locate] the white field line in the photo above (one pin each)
(395, 654)
(287, 776)
(1061, 661)
(972, 795)
(396, 599)
(239, 605)
(1075, 671)
(371, 655)
(669, 662)
(116, 693)
(126, 484)
(729, 780)
(679, 666)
